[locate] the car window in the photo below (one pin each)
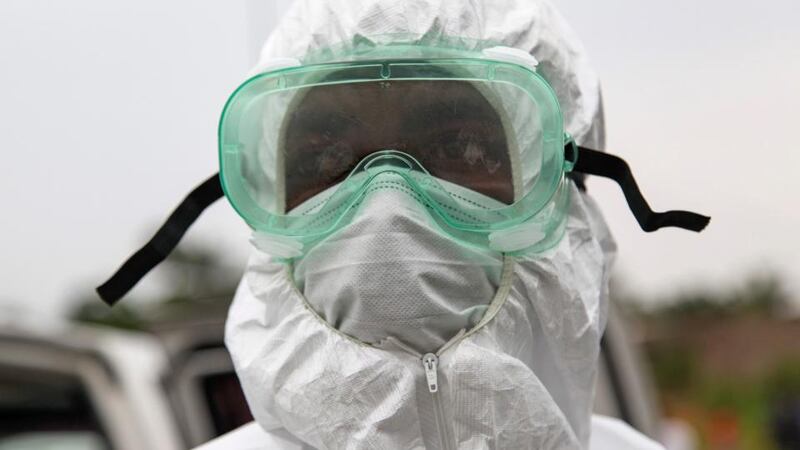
(226, 402)
(44, 410)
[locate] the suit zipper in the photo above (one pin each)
(430, 366)
(430, 363)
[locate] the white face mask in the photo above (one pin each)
(393, 272)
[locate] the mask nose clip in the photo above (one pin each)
(388, 160)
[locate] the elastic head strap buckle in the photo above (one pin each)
(570, 153)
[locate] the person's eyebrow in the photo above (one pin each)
(317, 120)
(463, 108)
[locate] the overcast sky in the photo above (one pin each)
(108, 113)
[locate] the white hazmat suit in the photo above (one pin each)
(517, 372)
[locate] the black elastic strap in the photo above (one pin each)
(163, 242)
(593, 162)
(589, 161)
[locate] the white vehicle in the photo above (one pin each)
(70, 387)
(90, 388)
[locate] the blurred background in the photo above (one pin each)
(109, 111)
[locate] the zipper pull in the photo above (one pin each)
(430, 363)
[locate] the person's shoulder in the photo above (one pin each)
(252, 437)
(610, 433)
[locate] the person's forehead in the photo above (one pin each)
(439, 98)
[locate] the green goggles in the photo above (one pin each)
(479, 140)
(475, 137)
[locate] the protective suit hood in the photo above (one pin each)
(533, 26)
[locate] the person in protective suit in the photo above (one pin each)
(428, 270)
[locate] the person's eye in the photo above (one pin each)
(335, 160)
(444, 144)
(453, 149)
(305, 166)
